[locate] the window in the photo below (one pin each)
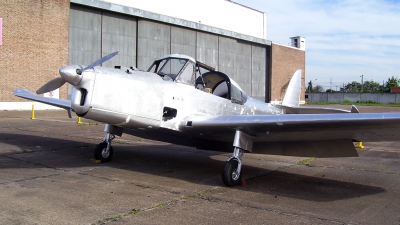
(168, 67)
(172, 67)
(237, 96)
(187, 76)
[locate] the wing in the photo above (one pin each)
(299, 132)
(65, 104)
(301, 127)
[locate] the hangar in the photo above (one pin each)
(38, 37)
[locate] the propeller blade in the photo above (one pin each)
(70, 75)
(51, 85)
(98, 62)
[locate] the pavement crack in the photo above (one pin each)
(98, 177)
(383, 169)
(135, 211)
(30, 162)
(276, 211)
(30, 178)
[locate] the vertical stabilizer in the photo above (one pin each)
(292, 95)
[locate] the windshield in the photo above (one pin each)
(168, 67)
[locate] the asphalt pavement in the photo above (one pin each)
(46, 177)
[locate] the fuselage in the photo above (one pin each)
(142, 100)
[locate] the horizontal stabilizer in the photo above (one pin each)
(354, 109)
(315, 110)
(311, 110)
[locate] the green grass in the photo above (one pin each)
(159, 205)
(196, 195)
(368, 103)
(305, 161)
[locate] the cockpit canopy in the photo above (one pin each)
(184, 69)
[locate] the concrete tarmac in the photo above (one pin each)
(46, 177)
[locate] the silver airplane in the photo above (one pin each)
(182, 101)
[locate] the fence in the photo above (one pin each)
(353, 97)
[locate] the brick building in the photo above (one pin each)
(34, 44)
(40, 36)
(285, 60)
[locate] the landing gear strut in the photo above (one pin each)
(104, 151)
(232, 171)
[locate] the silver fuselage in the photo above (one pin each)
(138, 100)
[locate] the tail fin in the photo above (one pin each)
(292, 95)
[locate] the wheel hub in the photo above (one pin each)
(105, 153)
(235, 175)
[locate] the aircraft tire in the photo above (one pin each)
(98, 152)
(228, 177)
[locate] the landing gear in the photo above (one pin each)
(104, 151)
(231, 173)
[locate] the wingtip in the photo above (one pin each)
(354, 109)
(19, 91)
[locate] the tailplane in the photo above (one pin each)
(291, 100)
(293, 91)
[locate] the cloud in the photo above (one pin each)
(344, 38)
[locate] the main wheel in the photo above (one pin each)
(229, 175)
(100, 152)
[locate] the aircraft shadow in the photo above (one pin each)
(176, 162)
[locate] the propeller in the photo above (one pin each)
(60, 81)
(51, 85)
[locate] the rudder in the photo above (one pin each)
(293, 91)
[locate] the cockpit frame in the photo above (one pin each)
(184, 69)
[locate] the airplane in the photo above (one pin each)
(183, 101)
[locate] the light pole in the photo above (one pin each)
(362, 83)
(310, 85)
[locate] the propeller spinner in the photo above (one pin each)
(71, 74)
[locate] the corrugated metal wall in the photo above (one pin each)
(95, 33)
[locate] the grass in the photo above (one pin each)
(348, 102)
(135, 211)
(196, 195)
(89, 124)
(383, 168)
(305, 161)
(159, 205)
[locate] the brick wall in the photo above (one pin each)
(395, 90)
(285, 61)
(35, 44)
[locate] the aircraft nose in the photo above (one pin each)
(70, 75)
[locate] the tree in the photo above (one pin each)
(352, 87)
(310, 86)
(392, 82)
(318, 88)
(367, 86)
(372, 87)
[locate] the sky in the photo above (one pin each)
(344, 38)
